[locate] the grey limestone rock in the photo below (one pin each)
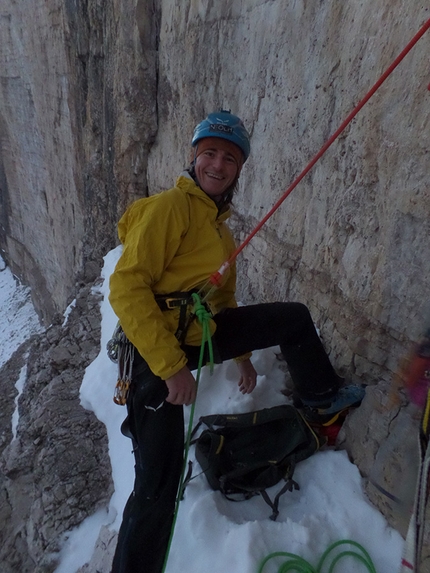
(56, 471)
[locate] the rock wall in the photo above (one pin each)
(102, 113)
(352, 239)
(382, 438)
(55, 471)
(97, 105)
(77, 116)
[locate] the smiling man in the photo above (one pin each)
(217, 166)
(172, 243)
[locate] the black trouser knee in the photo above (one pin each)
(287, 324)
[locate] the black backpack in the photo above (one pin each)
(242, 455)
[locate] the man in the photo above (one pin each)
(173, 242)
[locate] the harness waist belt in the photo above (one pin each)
(179, 300)
(174, 299)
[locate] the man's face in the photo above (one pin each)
(216, 169)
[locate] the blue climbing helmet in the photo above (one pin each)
(223, 124)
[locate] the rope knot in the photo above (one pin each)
(199, 309)
(201, 312)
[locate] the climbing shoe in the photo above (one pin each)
(327, 414)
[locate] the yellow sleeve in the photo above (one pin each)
(151, 231)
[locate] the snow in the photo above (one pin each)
(68, 311)
(19, 385)
(212, 533)
(18, 320)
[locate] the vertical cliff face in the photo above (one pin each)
(77, 117)
(42, 222)
(54, 466)
(351, 241)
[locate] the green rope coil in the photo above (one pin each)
(295, 563)
(364, 557)
(299, 565)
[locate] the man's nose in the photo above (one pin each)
(218, 162)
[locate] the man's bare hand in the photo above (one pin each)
(182, 388)
(248, 376)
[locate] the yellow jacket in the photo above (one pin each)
(172, 241)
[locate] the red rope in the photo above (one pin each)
(216, 277)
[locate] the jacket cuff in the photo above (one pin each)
(167, 372)
(242, 358)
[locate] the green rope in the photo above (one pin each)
(299, 565)
(365, 558)
(204, 317)
(296, 563)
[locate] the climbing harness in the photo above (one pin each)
(121, 351)
(300, 565)
(181, 300)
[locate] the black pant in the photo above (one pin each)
(157, 427)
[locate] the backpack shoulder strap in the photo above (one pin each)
(289, 485)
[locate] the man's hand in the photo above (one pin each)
(248, 376)
(182, 388)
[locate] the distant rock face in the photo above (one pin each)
(56, 470)
(77, 117)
